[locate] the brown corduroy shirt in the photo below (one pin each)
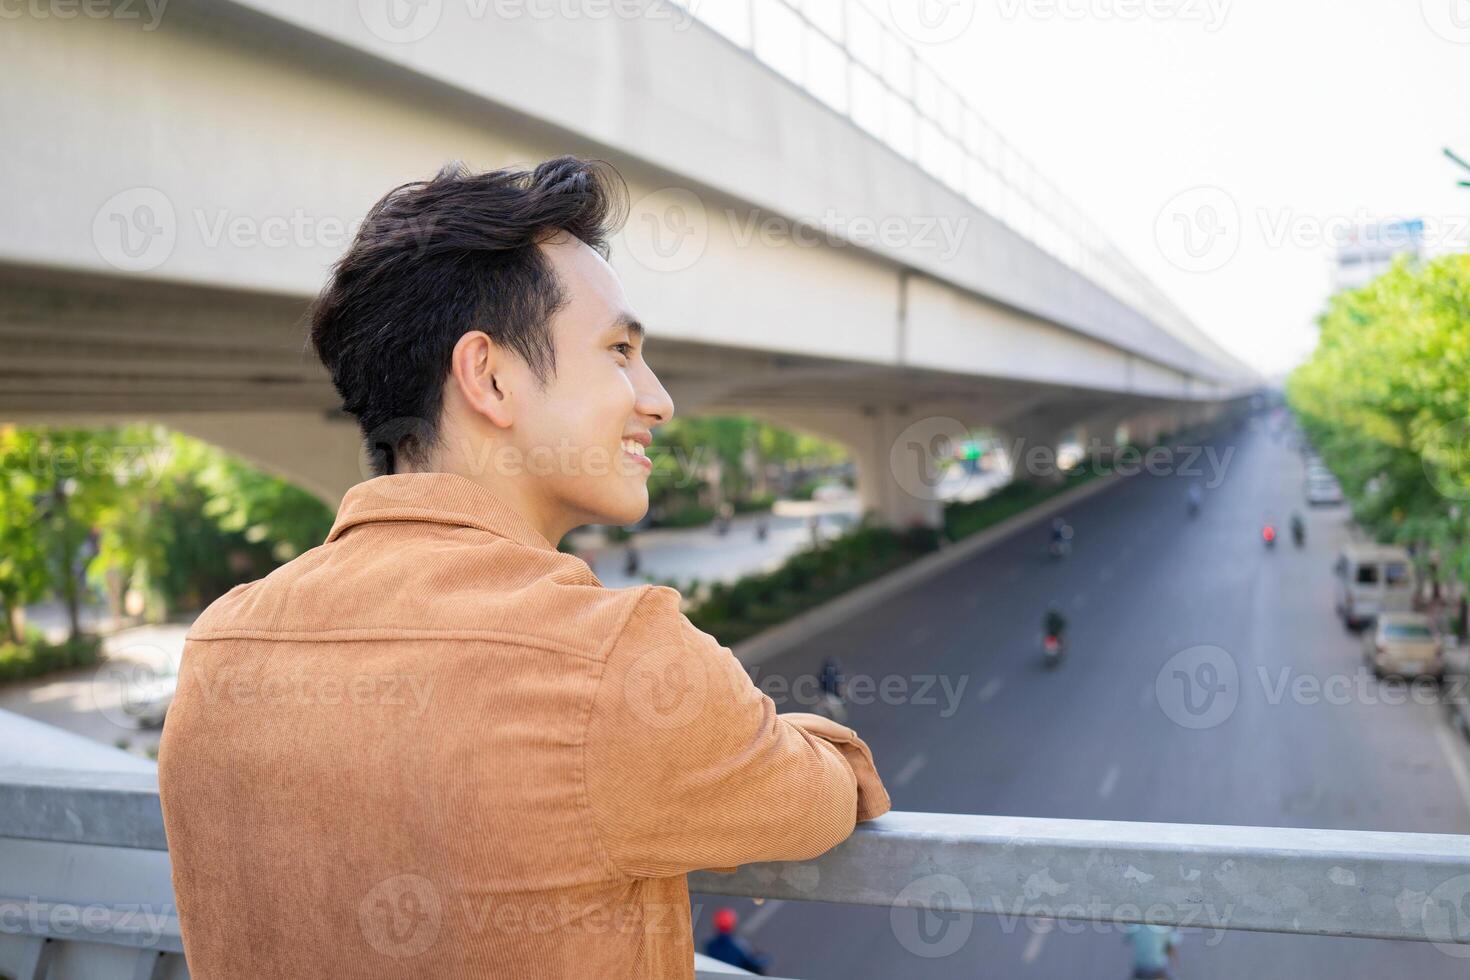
(436, 746)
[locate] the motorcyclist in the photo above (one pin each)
(1298, 529)
(834, 690)
(1061, 536)
(727, 947)
(1054, 623)
(834, 681)
(1155, 950)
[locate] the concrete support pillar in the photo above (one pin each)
(1032, 442)
(899, 465)
(1149, 427)
(898, 453)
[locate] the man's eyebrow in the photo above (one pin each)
(627, 322)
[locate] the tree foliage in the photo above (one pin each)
(1386, 399)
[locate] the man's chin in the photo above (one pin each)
(621, 513)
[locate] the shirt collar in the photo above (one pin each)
(438, 498)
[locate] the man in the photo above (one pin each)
(436, 746)
(1053, 623)
(1155, 949)
(729, 948)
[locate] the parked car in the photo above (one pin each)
(1323, 492)
(1404, 644)
(1371, 579)
(147, 701)
(1317, 470)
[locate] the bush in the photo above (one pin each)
(734, 611)
(755, 502)
(35, 656)
(691, 516)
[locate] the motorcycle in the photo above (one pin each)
(1053, 648)
(833, 706)
(1299, 535)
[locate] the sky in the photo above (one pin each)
(1261, 129)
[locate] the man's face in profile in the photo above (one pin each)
(599, 409)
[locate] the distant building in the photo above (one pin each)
(1368, 251)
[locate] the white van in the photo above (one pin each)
(1373, 578)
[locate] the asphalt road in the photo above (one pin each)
(1098, 739)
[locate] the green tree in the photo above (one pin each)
(24, 574)
(1386, 398)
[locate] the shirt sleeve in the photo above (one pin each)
(688, 766)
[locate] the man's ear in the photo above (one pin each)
(479, 371)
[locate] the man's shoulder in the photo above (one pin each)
(493, 588)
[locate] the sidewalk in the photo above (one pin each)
(88, 700)
(683, 554)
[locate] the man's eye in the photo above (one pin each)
(625, 348)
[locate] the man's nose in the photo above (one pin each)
(653, 401)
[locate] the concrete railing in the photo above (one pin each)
(1311, 882)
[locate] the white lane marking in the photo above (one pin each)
(761, 914)
(1457, 764)
(1108, 783)
(988, 691)
(919, 634)
(910, 769)
(1037, 940)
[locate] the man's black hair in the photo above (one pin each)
(436, 259)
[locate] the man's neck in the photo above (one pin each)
(553, 526)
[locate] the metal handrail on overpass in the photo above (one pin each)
(847, 57)
(1365, 884)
